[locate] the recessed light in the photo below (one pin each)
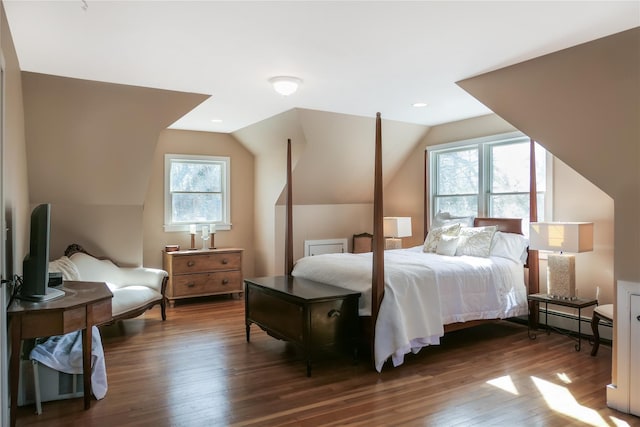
(216, 120)
(419, 104)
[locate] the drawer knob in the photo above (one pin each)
(225, 281)
(334, 313)
(225, 261)
(191, 263)
(190, 285)
(638, 318)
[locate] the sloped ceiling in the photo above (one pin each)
(335, 163)
(78, 132)
(354, 57)
(583, 104)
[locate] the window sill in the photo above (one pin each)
(184, 228)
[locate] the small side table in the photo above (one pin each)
(84, 305)
(577, 303)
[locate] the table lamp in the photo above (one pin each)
(396, 227)
(565, 239)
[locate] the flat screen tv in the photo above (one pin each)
(35, 267)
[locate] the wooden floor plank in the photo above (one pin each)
(196, 369)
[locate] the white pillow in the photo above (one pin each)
(445, 218)
(431, 242)
(476, 241)
(511, 246)
(447, 245)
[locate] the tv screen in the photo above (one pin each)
(35, 267)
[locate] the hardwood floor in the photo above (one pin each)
(196, 369)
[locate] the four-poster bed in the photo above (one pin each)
(383, 321)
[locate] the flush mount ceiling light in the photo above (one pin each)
(285, 85)
(419, 104)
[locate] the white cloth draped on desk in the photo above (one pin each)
(64, 353)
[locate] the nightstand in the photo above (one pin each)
(577, 303)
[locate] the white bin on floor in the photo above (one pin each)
(52, 384)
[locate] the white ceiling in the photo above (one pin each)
(354, 57)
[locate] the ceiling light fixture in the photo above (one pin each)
(285, 85)
(419, 104)
(216, 120)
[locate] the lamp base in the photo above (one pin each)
(561, 276)
(391, 243)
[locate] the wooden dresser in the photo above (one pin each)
(203, 272)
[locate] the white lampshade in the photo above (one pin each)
(397, 226)
(561, 236)
(285, 85)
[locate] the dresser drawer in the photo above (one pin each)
(206, 262)
(207, 283)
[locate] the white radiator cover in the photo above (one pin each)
(624, 392)
(325, 246)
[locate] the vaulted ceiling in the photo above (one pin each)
(354, 57)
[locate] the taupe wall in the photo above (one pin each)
(16, 183)
(332, 175)
(574, 199)
(241, 234)
(583, 105)
(577, 199)
(89, 151)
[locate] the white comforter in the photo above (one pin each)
(423, 292)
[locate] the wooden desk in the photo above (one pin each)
(85, 304)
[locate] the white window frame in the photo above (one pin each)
(484, 170)
(225, 224)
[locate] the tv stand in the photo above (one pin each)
(51, 293)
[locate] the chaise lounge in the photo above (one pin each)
(135, 290)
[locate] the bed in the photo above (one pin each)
(411, 297)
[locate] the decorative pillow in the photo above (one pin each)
(445, 218)
(511, 246)
(431, 242)
(447, 245)
(476, 241)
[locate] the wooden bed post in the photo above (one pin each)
(425, 220)
(534, 272)
(288, 244)
(377, 285)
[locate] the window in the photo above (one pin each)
(488, 177)
(196, 191)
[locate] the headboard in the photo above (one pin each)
(506, 225)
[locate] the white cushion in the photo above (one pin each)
(447, 245)
(445, 218)
(131, 298)
(605, 310)
(431, 242)
(510, 245)
(476, 241)
(96, 270)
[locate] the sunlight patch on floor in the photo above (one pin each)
(560, 399)
(505, 383)
(564, 378)
(618, 422)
